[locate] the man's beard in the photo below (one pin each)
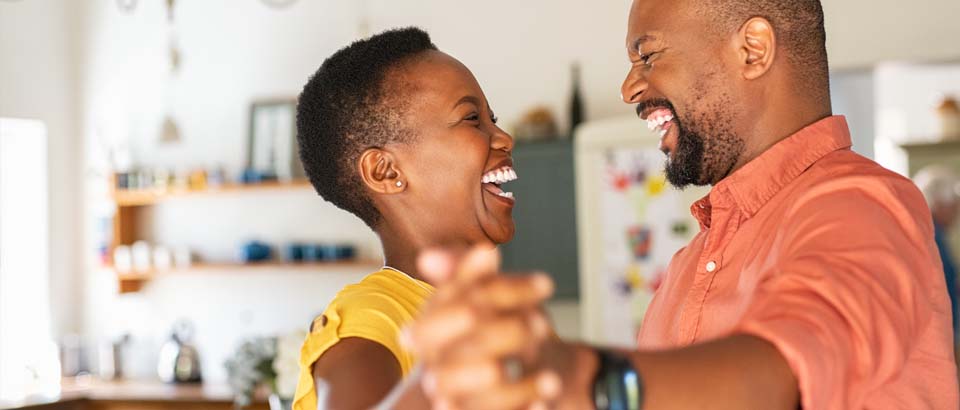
(707, 148)
(684, 165)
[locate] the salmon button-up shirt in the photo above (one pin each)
(829, 257)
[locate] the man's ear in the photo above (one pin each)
(380, 172)
(756, 47)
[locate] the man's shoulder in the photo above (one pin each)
(847, 171)
(850, 186)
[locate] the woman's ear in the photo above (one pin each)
(380, 172)
(757, 46)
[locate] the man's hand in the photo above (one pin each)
(484, 339)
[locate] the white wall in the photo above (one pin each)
(852, 95)
(861, 33)
(38, 81)
(237, 51)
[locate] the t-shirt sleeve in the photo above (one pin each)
(856, 284)
(371, 316)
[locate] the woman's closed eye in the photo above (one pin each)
(475, 117)
(648, 58)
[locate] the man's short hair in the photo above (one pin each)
(798, 24)
(349, 106)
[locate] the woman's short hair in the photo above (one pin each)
(349, 106)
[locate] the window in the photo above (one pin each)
(29, 363)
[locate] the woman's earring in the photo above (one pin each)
(399, 184)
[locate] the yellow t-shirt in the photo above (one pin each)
(375, 309)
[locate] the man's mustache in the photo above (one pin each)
(655, 103)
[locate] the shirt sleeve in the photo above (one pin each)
(856, 282)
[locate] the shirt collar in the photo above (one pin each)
(751, 187)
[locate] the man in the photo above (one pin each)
(814, 280)
(939, 186)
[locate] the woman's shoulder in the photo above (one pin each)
(374, 309)
(385, 291)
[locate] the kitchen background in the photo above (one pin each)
(161, 90)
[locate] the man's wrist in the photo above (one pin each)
(617, 385)
(576, 364)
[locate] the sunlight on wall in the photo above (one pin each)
(29, 363)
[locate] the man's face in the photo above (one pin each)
(682, 87)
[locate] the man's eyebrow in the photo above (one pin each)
(635, 45)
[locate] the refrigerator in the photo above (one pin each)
(630, 223)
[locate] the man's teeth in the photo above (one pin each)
(500, 176)
(655, 124)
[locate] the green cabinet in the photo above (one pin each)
(545, 215)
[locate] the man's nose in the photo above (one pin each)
(633, 87)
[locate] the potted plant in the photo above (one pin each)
(265, 362)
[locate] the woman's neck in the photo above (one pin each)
(403, 261)
(400, 250)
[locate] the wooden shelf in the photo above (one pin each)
(144, 197)
(217, 268)
(134, 281)
(130, 203)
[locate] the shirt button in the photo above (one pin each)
(711, 266)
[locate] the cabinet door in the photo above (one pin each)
(545, 215)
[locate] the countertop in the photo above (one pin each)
(78, 393)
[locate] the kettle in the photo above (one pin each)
(179, 360)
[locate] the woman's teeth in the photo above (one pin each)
(499, 177)
(655, 124)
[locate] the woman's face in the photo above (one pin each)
(458, 158)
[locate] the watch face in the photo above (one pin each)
(617, 384)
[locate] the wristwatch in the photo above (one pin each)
(617, 384)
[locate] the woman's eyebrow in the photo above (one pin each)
(639, 41)
(468, 99)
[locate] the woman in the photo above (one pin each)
(401, 135)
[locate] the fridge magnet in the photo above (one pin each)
(639, 174)
(640, 240)
(619, 181)
(656, 184)
(680, 229)
(621, 287)
(635, 278)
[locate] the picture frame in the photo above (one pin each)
(272, 140)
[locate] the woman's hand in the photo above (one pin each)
(484, 339)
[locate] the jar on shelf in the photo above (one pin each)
(949, 113)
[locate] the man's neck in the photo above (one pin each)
(777, 124)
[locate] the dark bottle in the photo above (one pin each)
(576, 100)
